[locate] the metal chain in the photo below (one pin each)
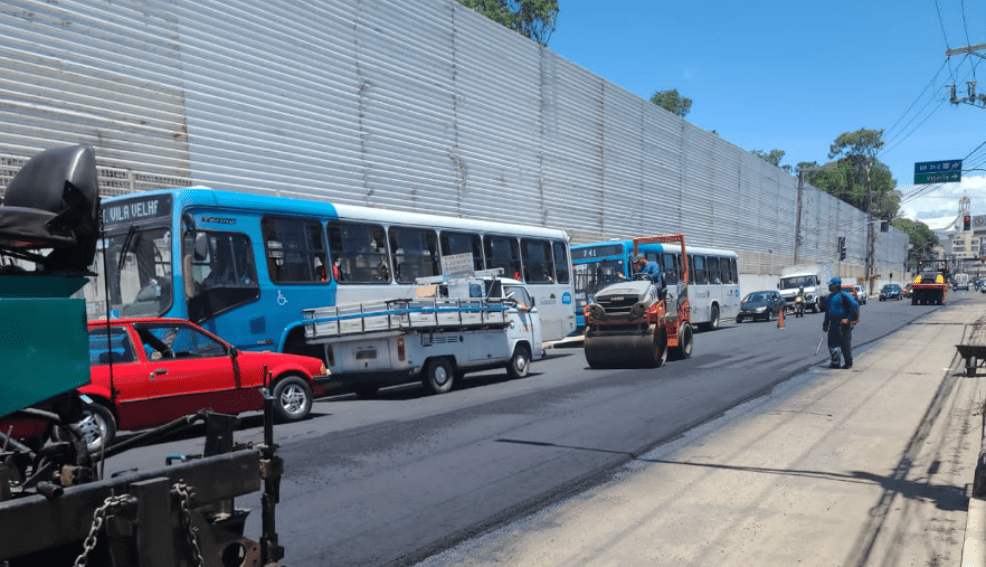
(98, 517)
(185, 495)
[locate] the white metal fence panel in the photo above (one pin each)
(421, 105)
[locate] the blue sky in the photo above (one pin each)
(793, 75)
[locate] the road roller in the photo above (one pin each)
(629, 325)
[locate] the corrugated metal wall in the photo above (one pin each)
(420, 105)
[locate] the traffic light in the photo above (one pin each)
(966, 222)
(842, 248)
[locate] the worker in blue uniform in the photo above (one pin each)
(650, 268)
(841, 315)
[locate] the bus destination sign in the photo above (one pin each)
(137, 209)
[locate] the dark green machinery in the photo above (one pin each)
(55, 509)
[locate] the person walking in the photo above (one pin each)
(841, 315)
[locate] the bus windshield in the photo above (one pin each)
(590, 277)
(137, 273)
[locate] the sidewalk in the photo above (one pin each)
(872, 466)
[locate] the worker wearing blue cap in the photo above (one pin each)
(841, 314)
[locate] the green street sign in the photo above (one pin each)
(948, 171)
(940, 177)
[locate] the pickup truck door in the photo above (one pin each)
(525, 320)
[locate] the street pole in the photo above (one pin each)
(869, 230)
(797, 218)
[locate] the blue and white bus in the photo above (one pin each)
(244, 266)
(713, 286)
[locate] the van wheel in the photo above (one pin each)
(292, 399)
(366, 391)
(520, 363)
(438, 375)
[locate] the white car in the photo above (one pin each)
(860, 294)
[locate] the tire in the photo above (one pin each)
(686, 340)
(739, 318)
(292, 399)
(714, 320)
(770, 316)
(438, 375)
(660, 348)
(98, 427)
(366, 391)
(520, 363)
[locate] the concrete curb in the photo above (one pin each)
(974, 546)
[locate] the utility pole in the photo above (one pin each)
(797, 218)
(972, 97)
(870, 237)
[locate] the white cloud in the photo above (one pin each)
(939, 200)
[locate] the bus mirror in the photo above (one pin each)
(187, 224)
(201, 247)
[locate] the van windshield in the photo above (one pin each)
(797, 281)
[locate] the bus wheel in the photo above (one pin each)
(292, 399)
(438, 375)
(520, 363)
(713, 323)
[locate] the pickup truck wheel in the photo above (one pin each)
(98, 427)
(438, 375)
(292, 399)
(520, 363)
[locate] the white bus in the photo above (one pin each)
(244, 266)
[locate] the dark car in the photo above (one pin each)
(891, 291)
(764, 305)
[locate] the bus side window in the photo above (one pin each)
(463, 243)
(295, 250)
(712, 269)
(561, 263)
(536, 255)
(359, 253)
(734, 271)
(415, 253)
(701, 276)
(670, 269)
(502, 252)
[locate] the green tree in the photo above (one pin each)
(773, 157)
(856, 176)
(672, 102)
(920, 238)
(534, 19)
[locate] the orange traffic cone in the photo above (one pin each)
(780, 320)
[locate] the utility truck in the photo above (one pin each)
(812, 277)
(454, 324)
